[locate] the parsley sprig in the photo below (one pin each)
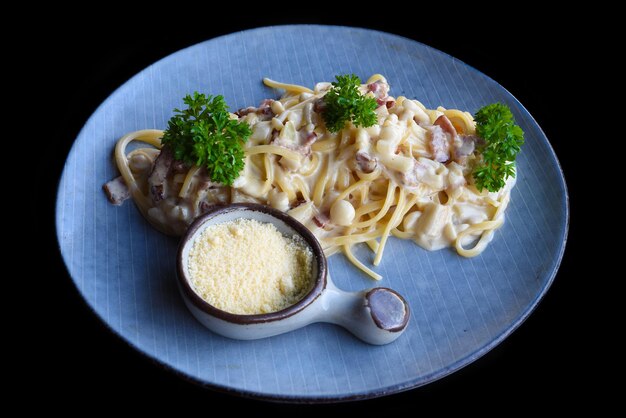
(205, 135)
(495, 124)
(344, 103)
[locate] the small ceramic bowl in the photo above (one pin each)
(377, 316)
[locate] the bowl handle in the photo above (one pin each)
(376, 316)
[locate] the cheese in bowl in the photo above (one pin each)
(248, 267)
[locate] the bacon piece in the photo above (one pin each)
(319, 105)
(465, 145)
(245, 110)
(445, 124)
(380, 90)
(442, 134)
(365, 162)
(204, 181)
(160, 171)
(439, 144)
(116, 190)
(264, 111)
(302, 144)
(321, 220)
(298, 202)
(373, 87)
(204, 206)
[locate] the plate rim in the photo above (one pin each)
(366, 394)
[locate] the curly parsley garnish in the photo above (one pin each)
(344, 103)
(502, 141)
(204, 134)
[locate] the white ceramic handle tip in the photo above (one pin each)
(376, 316)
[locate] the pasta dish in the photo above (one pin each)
(409, 175)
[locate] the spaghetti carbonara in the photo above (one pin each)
(408, 176)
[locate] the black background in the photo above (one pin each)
(79, 62)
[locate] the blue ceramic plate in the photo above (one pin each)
(461, 308)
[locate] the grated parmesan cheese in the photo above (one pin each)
(248, 267)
